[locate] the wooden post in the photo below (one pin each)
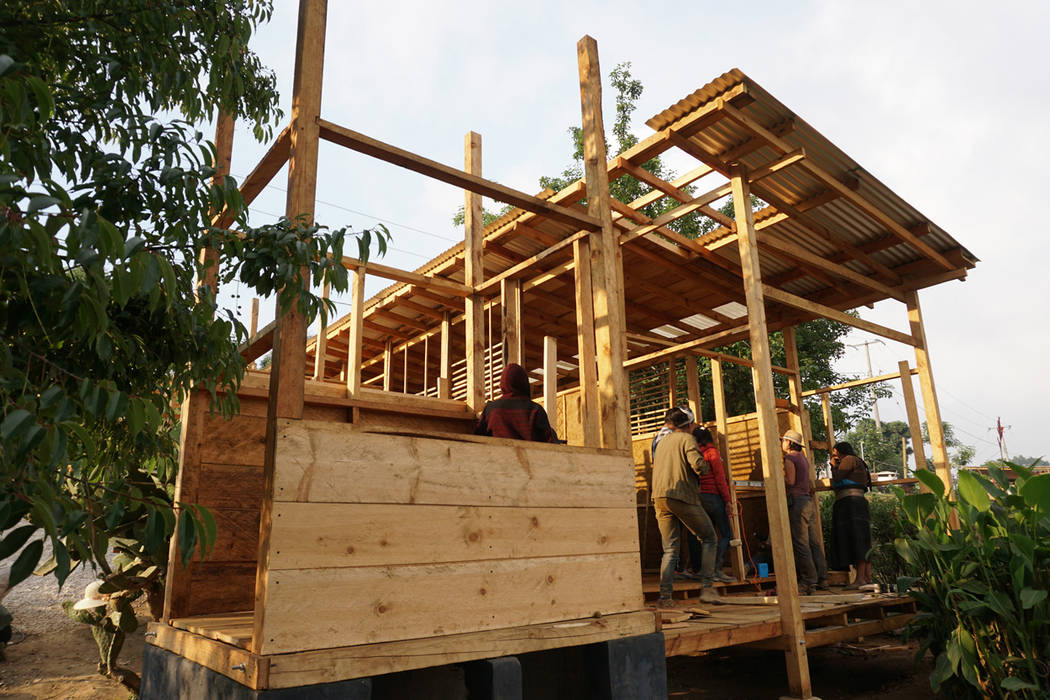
(606, 279)
(914, 426)
(510, 303)
(178, 584)
(404, 371)
(473, 275)
(288, 370)
(692, 383)
(253, 324)
(321, 345)
(800, 417)
(829, 426)
(357, 331)
(581, 250)
(672, 388)
(445, 379)
(718, 393)
(550, 378)
(929, 392)
(792, 625)
(388, 366)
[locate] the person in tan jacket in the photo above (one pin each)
(677, 465)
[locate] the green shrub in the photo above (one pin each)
(981, 584)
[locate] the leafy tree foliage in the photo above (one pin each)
(1023, 460)
(960, 455)
(106, 200)
(881, 447)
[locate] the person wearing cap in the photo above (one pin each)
(676, 499)
(514, 415)
(850, 516)
(806, 538)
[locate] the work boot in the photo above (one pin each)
(723, 578)
(822, 585)
(708, 595)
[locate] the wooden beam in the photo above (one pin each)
(550, 379)
(474, 275)
(585, 344)
(445, 379)
(511, 321)
(321, 342)
(357, 331)
(692, 384)
(253, 323)
(912, 411)
(772, 468)
(469, 181)
(607, 274)
(517, 269)
(780, 296)
(445, 286)
(288, 370)
(855, 383)
(799, 417)
(829, 425)
(388, 365)
(941, 463)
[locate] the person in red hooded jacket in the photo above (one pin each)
(715, 498)
(514, 415)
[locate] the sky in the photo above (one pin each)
(944, 102)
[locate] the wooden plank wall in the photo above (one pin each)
(381, 537)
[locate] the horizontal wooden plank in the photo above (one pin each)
(472, 183)
(219, 587)
(233, 628)
(239, 441)
(237, 537)
(327, 535)
(230, 661)
(292, 670)
(324, 608)
(708, 636)
(327, 462)
(230, 486)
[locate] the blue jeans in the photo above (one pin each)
(671, 514)
(716, 510)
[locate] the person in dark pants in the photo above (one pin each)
(715, 498)
(676, 500)
(810, 566)
(515, 415)
(851, 516)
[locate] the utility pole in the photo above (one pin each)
(1000, 431)
(874, 403)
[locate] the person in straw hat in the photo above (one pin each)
(806, 538)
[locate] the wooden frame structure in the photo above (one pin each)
(582, 296)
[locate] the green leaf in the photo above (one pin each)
(136, 415)
(15, 423)
(40, 201)
(187, 536)
(210, 530)
(1030, 598)
(1015, 683)
(931, 481)
(25, 563)
(15, 539)
(972, 491)
(1036, 492)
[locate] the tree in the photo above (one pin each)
(881, 447)
(106, 201)
(1023, 460)
(963, 453)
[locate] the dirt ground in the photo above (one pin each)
(56, 659)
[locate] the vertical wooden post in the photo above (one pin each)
(357, 331)
(178, 585)
(718, 393)
(829, 425)
(799, 416)
(585, 344)
(404, 375)
(288, 370)
(253, 323)
(914, 426)
(929, 391)
(510, 304)
(550, 378)
(672, 385)
(445, 379)
(388, 366)
(692, 383)
(792, 625)
(606, 279)
(473, 275)
(321, 345)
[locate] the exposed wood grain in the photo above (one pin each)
(218, 656)
(912, 411)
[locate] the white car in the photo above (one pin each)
(885, 476)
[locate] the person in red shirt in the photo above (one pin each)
(514, 415)
(715, 498)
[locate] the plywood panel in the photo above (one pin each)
(325, 462)
(237, 537)
(325, 535)
(367, 418)
(235, 441)
(319, 608)
(222, 587)
(230, 486)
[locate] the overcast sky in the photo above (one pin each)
(945, 102)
